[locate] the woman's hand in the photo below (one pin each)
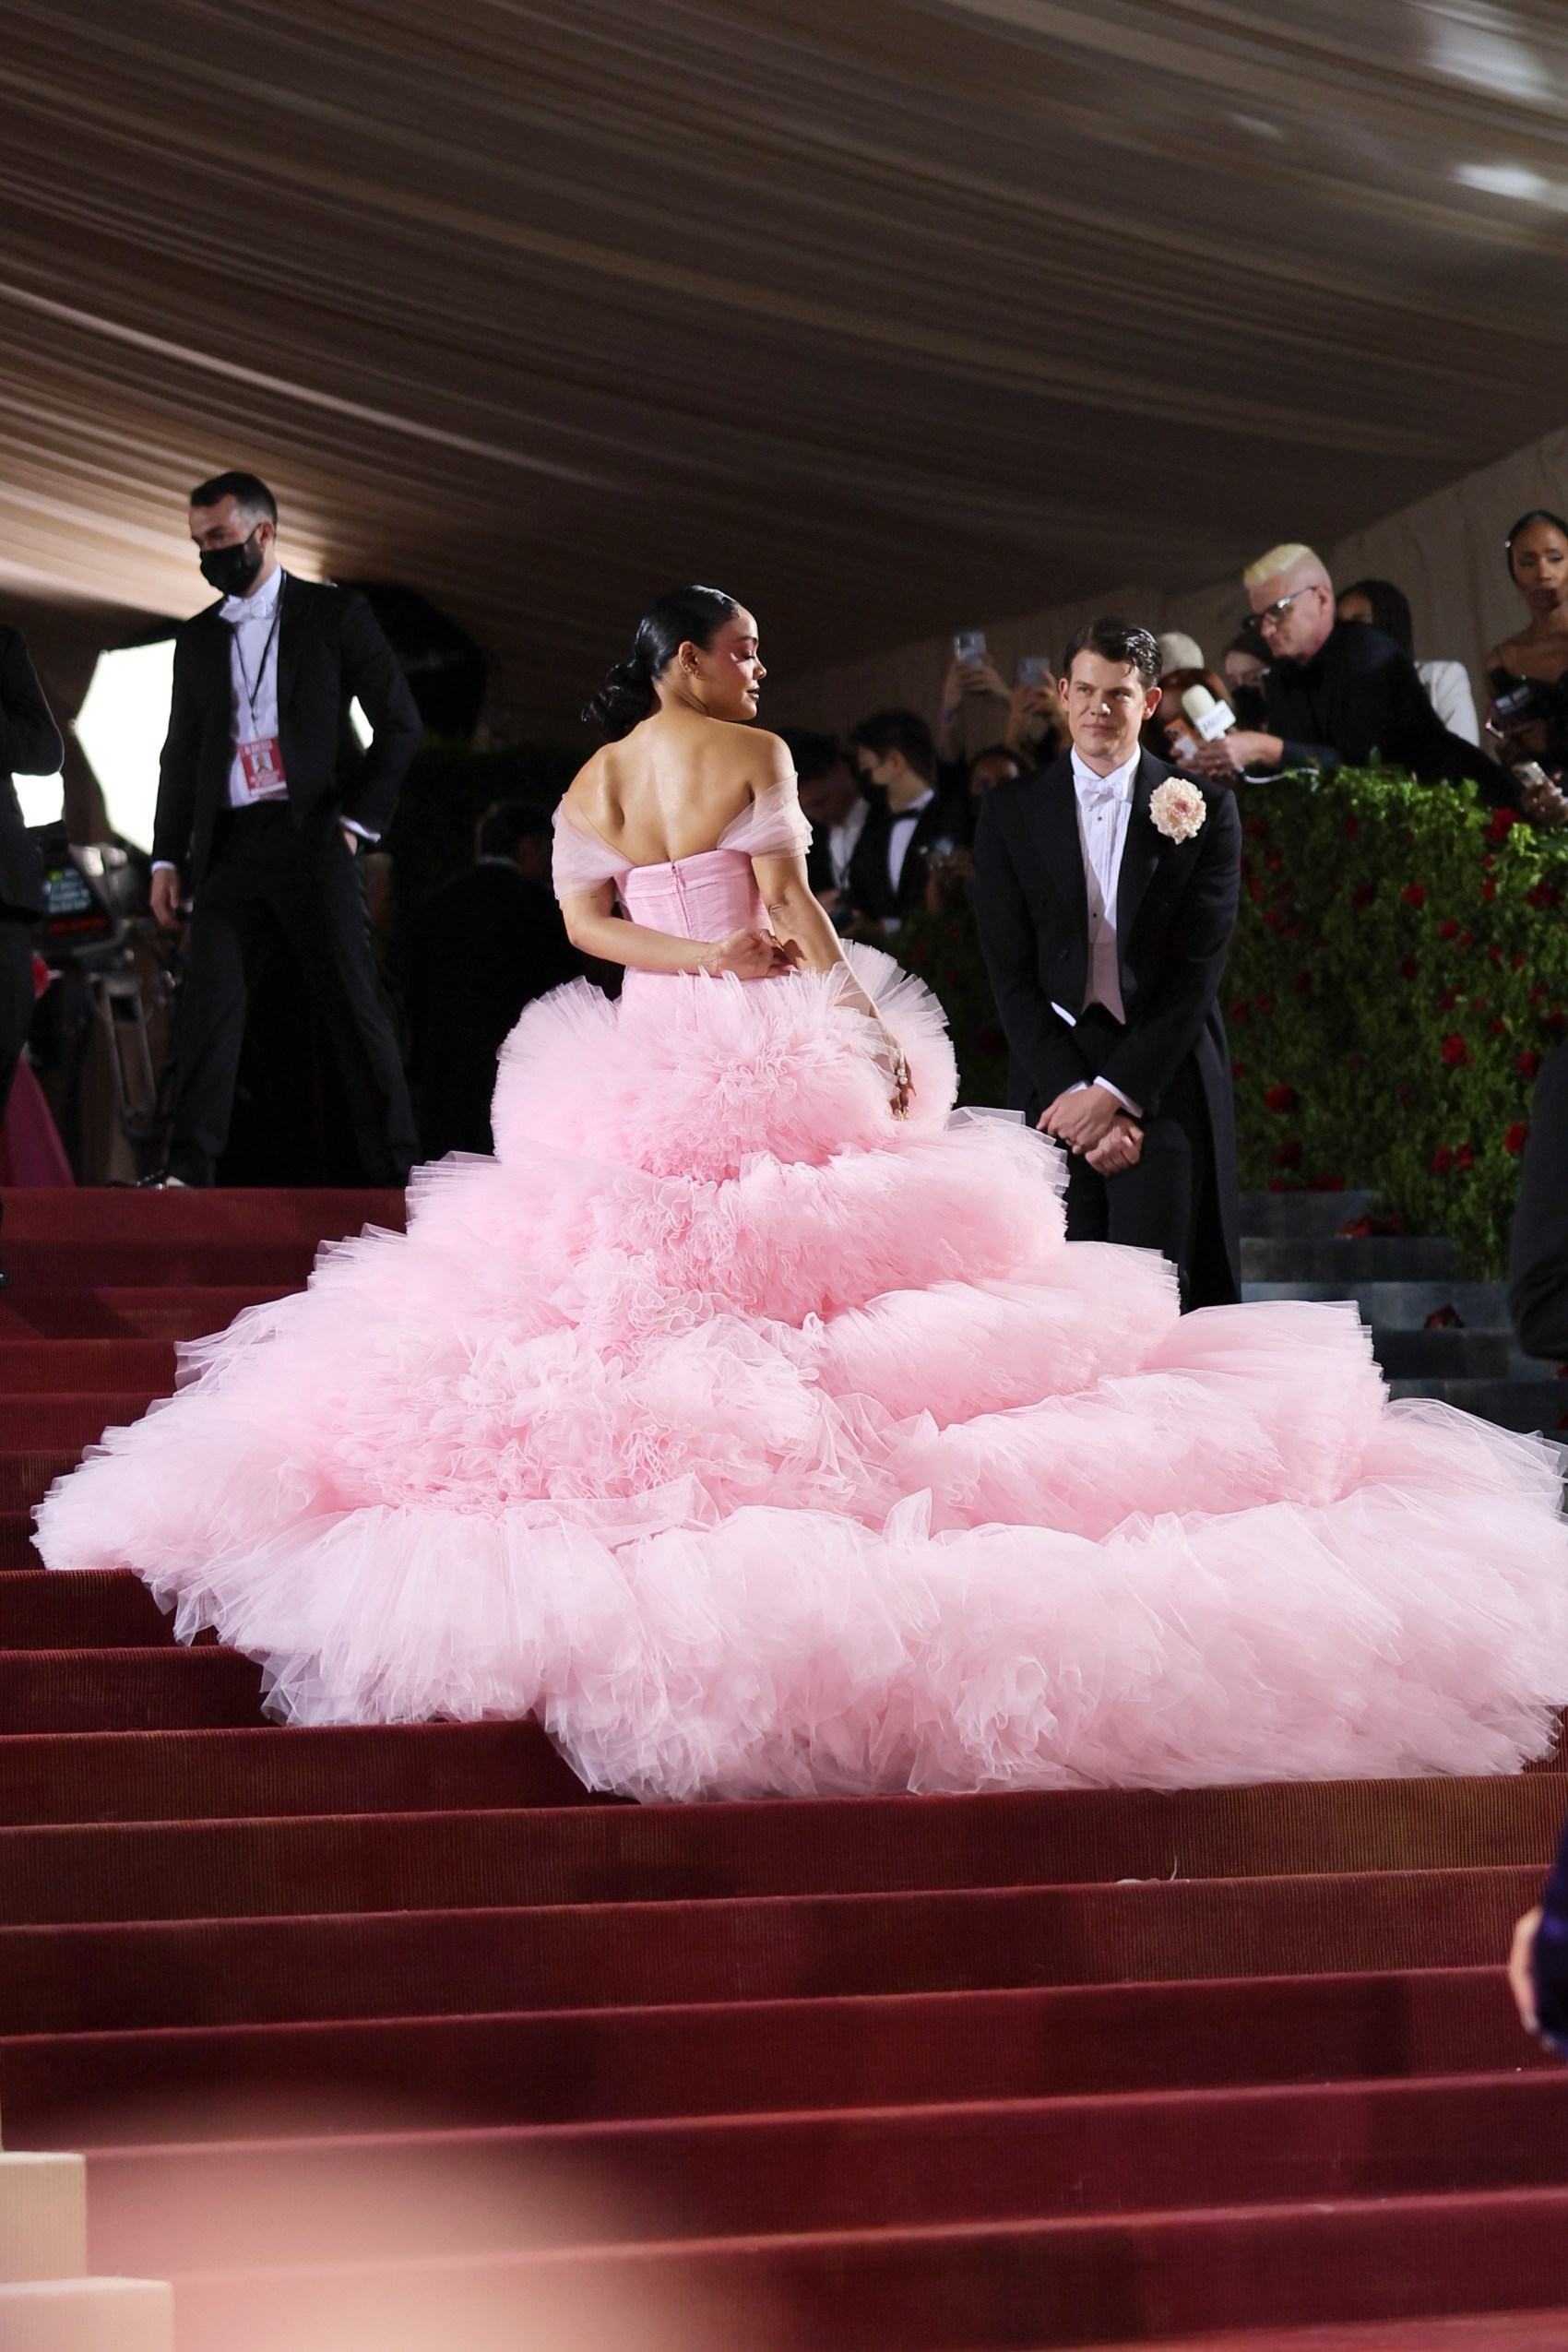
(1034, 713)
(750, 955)
(890, 1060)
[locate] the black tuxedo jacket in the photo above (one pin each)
(1361, 698)
(330, 648)
(30, 745)
(1538, 1258)
(870, 889)
(1175, 911)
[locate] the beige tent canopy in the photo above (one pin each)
(890, 315)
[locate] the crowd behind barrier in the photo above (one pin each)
(1316, 704)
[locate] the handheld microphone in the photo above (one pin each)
(1211, 719)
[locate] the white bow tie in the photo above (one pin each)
(1102, 791)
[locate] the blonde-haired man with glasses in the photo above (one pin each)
(1340, 693)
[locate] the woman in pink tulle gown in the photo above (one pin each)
(748, 1418)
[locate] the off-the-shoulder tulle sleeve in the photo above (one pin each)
(581, 860)
(774, 825)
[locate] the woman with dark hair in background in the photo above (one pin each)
(1529, 674)
(1447, 684)
(751, 1421)
(1246, 663)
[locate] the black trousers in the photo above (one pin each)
(269, 881)
(1159, 1204)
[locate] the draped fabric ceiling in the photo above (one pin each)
(889, 316)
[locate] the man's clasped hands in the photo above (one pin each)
(1097, 1125)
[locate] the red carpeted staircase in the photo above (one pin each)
(919, 2076)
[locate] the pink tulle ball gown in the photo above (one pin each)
(763, 1442)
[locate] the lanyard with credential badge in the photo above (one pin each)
(251, 690)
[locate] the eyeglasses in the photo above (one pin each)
(1281, 605)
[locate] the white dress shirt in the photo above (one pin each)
(902, 833)
(1449, 692)
(254, 623)
(841, 840)
(1105, 805)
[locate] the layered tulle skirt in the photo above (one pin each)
(761, 1443)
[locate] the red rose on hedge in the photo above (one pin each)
(1241, 1010)
(1514, 1139)
(1456, 1053)
(1448, 928)
(1263, 1005)
(1528, 1061)
(1289, 1153)
(1502, 825)
(1448, 1000)
(1363, 894)
(1442, 1161)
(1464, 1156)
(1414, 894)
(1280, 1097)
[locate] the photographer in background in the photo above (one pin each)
(1529, 674)
(1447, 684)
(977, 701)
(1245, 663)
(1341, 693)
(836, 809)
(911, 823)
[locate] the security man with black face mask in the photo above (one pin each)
(261, 818)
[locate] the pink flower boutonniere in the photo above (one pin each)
(1177, 809)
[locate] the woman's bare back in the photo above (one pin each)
(674, 785)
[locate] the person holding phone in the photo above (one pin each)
(974, 698)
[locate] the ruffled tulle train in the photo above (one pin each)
(761, 1443)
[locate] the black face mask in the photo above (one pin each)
(231, 570)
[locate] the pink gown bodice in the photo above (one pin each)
(706, 895)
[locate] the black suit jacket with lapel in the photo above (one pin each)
(30, 745)
(331, 648)
(1175, 912)
(870, 889)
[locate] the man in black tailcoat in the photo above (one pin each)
(910, 820)
(264, 815)
(1105, 907)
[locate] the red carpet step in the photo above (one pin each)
(201, 1775)
(127, 1690)
(723, 2058)
(120, 1311)
(657, 1856)
(280, 1968)
(906, 2075)
(238, 2204)
(1014, 2284)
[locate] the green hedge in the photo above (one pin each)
(1399, 971)
(1400, 968)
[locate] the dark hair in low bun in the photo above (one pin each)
(627, 695)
